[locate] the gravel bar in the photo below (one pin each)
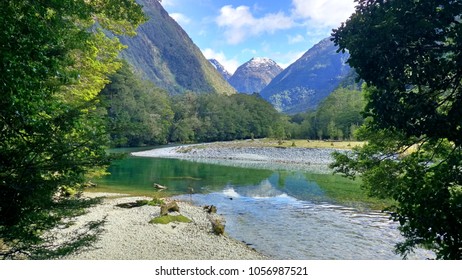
(308, 159)
(128, 235)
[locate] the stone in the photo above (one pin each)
(169, 207)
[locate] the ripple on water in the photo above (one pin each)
(283, 227)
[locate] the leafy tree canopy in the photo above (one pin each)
(409, 53)
(138, 113)
(213, 117)
(337, 117)
(55, 61)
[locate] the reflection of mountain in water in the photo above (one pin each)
(263, 190)
(292, 184)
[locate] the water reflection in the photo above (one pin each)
(284, 214)
(137, 175)
(284, 227)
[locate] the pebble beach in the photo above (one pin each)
(128, 235)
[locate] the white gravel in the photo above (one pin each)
(308, 159)
(128, 235)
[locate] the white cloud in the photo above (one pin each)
(229, 64)
(295, 39)
(324, 13)
(249, 51)
(180, 18)
(239, 23)
(286, 59)
(166, 3)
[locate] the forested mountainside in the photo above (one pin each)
(163, 53)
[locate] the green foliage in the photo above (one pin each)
(412, 64)
(138, 113)
(212, 117)
(336, 118)
(414, 150)
(55, 62)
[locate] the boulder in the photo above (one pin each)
(217, 226)
(169, 207)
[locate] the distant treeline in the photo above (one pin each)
(336, 118)
(138, 113)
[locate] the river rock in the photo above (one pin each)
(169, 207)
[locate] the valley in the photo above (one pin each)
(343, 137)
(163, 53)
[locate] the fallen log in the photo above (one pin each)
(159, 187)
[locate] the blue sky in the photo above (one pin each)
(234, 31)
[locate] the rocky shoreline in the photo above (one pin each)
(128, 235)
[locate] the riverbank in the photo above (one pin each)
(315, 156)
(128, 235)
(311, 157)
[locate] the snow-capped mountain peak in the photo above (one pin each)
(261, 61)
(254, 75)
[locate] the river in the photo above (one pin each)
(282, 213)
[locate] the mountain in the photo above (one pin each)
(220, 68)
(163, 53)
(309, 80)
(254, 75)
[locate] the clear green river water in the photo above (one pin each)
(283, 214)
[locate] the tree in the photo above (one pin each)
(55, 61)
(333, 119)
(409, 53)
(215, 117)
(138, 113)
(339, 111)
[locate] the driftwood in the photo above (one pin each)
(159, 187)
(210, 209)
(89, 184)
(169, 207)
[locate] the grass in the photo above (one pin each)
(302, 143)
(154, 202)
(295, 143)
(170, 219)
